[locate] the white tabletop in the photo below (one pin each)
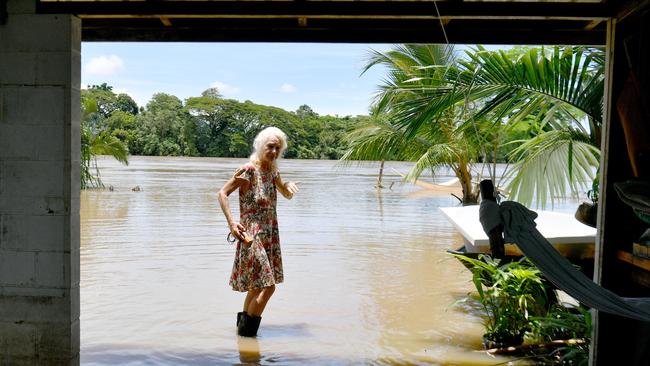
(557, 228)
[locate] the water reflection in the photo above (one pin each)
(366, 277)
(380, 203)
(249, 351)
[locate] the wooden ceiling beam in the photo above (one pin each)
(447, 9)
(337, 36)
(339, 21)
(290, 30)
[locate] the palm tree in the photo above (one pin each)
(561, 91)
(553, 90)
(96, 143)
(413, 72)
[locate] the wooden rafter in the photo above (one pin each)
(361, 9)
(165, 21)
(339, 21)
(592, 24)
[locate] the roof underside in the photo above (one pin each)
(390, 21)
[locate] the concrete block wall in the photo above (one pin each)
(39, 186)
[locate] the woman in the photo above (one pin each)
(258, 261)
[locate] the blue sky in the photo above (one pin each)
(327, 77)
(324, 76)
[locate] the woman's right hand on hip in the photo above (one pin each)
(237, 229)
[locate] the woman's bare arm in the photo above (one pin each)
(231, 185)
(287, 189)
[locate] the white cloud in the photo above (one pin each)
(104, 65)
(225, 88)
(287, 88)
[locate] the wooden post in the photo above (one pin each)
(602, 204)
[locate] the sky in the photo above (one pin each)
(327, 77)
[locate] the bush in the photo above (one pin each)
(510, 294)
(517, 309)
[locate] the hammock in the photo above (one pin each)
(520, 228)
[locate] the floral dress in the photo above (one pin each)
(259, 264)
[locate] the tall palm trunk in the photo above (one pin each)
(464, 176)
(381, 175)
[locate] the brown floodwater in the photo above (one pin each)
(367, 280)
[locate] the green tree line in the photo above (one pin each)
(207, 125)
(210, 125)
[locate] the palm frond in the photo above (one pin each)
(551, 165)
(436, 155)
(565, 75)
(377, 140)
(104, 144)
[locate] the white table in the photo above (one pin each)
(568, 235)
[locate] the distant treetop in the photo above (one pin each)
(212, 93)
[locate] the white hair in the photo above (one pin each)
(260, 141)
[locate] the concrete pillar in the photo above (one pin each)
(39, 186)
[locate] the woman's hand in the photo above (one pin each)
(287, 189)
(292, 187)
(237, 230)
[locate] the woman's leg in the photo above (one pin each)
(258, 303)
(249, 296)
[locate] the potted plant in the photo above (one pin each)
(511, 295)
(587, 211)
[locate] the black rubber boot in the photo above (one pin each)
(239, 316)
(248, 325)
(242, 327)
(254, 325)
